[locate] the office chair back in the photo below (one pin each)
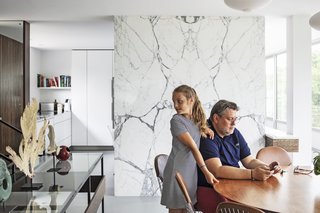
(274, 153)
(227, 207)
(160, 162)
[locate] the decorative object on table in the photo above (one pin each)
(5, 182)
(314, 21)
(34, 206)
(305, 170)
(54, 187)
(31, 145)
(316, 164)
(53, 201)
(246, 5)
(52, 148)
(64, 153)
(64, 167)
(55, 150)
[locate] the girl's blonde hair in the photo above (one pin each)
(198, 115)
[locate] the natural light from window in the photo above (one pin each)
(276, 63)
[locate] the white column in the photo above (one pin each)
(299, 86)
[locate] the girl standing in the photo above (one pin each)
(187, 126)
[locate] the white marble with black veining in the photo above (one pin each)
(221, 57)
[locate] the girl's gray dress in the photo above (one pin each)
(182, 160)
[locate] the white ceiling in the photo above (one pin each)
(64, 24)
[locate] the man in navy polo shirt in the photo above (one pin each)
(223, 153)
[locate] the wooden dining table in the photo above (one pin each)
(287, 192)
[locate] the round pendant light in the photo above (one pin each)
(314, 21)
(246, 5)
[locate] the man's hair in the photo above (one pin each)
(220, 107)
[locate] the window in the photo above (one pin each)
(276, 84)
(281, 87)
(316, 85)
(270, 83)
(276, 74)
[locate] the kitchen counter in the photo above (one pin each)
(50, 115)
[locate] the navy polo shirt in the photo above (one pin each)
(230, 149)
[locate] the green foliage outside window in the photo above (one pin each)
(316, 88)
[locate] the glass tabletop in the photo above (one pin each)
(37, 201)
(60, 180)
(78, 162)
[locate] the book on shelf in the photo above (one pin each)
(55, 81)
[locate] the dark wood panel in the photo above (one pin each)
(12, 91)
(26, 62)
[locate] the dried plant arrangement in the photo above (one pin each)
(31, 145)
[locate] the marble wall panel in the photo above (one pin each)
(221, 57)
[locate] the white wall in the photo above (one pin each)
(221, 57)
(275, 34)
(299, 86)
(35, 68)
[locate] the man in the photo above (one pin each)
(223, 153)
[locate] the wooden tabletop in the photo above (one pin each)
(289, 192)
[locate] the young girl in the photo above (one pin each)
(186, 128)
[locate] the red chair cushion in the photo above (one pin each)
(208, 199)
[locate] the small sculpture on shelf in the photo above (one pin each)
(31, 145)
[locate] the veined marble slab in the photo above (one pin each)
(220, 57)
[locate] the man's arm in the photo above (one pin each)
(250, 162)
(261, 172)
(253, 163)
(214, 165)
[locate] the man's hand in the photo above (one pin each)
(261, 172)
(275, 167)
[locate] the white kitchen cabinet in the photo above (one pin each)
(92, 97)
(62, 127)
(79, 97)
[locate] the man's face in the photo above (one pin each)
(225, 123)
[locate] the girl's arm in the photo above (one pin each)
(187, 140)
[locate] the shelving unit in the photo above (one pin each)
(56, 82)
(54, 88)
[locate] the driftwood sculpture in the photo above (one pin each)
(31, 145)
(52, 148)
